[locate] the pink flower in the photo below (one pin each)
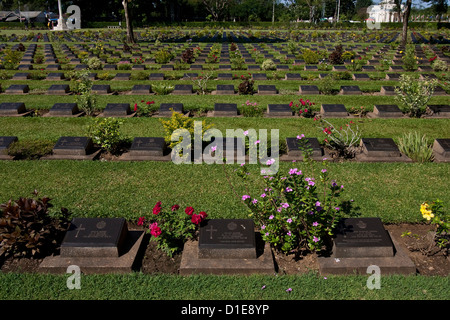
(245, 197)
(315, 239)
(175, 207)
(154, 229)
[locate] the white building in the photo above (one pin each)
(384, 12)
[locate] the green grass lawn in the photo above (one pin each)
(138, 286)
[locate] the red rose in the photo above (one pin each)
(175, 207)
(141, 221)
(196, 219)
(203, 214)
(189, 211)
(135, 107)
(157, 208)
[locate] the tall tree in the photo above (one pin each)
(216, 8)
(439, 7)
(130, 34)
(404, 15)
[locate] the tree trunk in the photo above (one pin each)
(130, 34)
(405, 17)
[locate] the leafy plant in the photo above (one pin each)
(344, 140)
(201, 81)
(410, 59)
(416, 147)
(439, 65)
(251, 109)
(188, 56)
(336, 56)
(94, 63)
(162, 88)
(144, 108)
(414, 94)
(296, 211)
(172, 228)
(310, 56)
(303, 108)
(434, 213)
(246, 87)
(27, 230)
(268, 65)
(179, 121)
(163, 56)
(106, 133)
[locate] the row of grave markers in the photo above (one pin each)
(17, 109)
(154, 148)
(224, 246)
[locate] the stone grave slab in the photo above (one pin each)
(147, 149)
(101, 89)
(393, 76)
(13, 109)
(227, 246)
(380, 149)
(441, 150)
(333, 110)
(340, 68)
(267, 89)
(25, 67)
(233, 149)
(307, 89)
(156, 76)
(73, 148)
(439, 91)
(224, 76)
(368, 68)
(166, 67)
(55, 76)
(21, 76)
(164, 109)
(362, 242)
(279, 110)
(225, 89)
(224, 67)
(311, 68)
(53, 67)
(117, 110)
(17, 89)
(189, 75)
(396, 69)
(227, 238)
(440, 110)
(58, 89)
(110, 67)
(225, 110)
(387, 111)
(81, 67)
(259, 76)
(5, 143)
(141, 89)
(350, 90)
(361, 77)
(294, 152)
(293, 76)
(97, 246)
(282, 67)
(253, 67)
(387, 91)
(182, 89)
(64, 110)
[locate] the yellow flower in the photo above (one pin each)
(426, 212)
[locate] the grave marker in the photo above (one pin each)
(58, 89)
(17, 89)
(387, 111)
(333, 110)
(182, 89)
(225, 110)
(117, 110)
(279, 110)
(306, 89)
(12, 109)
(5, 143)
(441, 150)
(225, 89)
(267, 89)
(96, 245)
(294, 151)
(380, 147)
(65, 110)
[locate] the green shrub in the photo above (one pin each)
(409, 59)
(163, 56)
(268, 65)
(439, 65)
(246, 87)
(94, 64)
(310, 56)
(27, 230)
(106, 133)
(416, 147)
(414, 94)
(162, 88)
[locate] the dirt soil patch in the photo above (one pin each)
(417, 244)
